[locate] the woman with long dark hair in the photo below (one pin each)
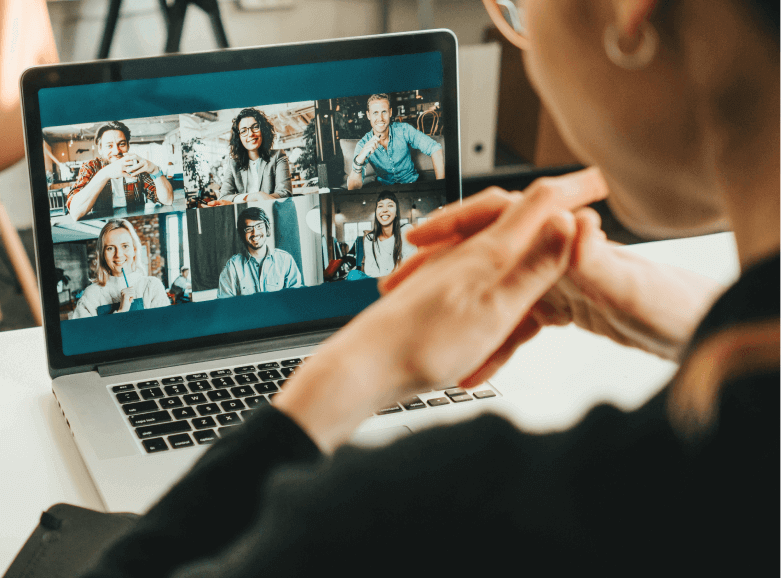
(254, 171)
(385, 246)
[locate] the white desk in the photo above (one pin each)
(40, 465)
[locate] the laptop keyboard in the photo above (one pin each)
(194, 409)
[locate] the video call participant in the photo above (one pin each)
(257, 268)
(385, 247)
(120, 285)
(117, 178)
(254, 171)
(387, 148)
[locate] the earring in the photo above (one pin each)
(646, 50)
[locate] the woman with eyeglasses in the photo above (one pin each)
(675, 104)
(254, 171)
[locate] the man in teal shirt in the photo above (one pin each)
(257, 268)
(387, 148)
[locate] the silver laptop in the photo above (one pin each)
(199, 233)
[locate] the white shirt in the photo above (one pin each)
(384, 265)
(253, 179)
(118, 192)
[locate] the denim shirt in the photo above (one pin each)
(243, 275)
(394, 165)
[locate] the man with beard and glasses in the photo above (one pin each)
(257, 268)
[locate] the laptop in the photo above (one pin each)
(198, 234)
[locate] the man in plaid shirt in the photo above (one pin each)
(117, 178)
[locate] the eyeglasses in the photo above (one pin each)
(510, 18)
(258, 228)
(254, 128)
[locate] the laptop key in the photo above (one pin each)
(216, 373)
(253, 401)
(243, 369)
(205, 422)
(180, 440)
(484, 394)
(413, 403)
(228, 419)
(389, 410)
(455, 392)
(194, 399)
(246, 378)
(123, 388)
(231, 405)
(199, 376)
(148, 384)
(241, 391)
(174, 402)
(461, 398)
(266, 387)
(291, 362)
(150, 418)
(216, 395)
(176, 389)
(205, 409)
(182, 413)
(151, 393)
(438, 401)
(125, 397)
(199, 386)
(155, 445)
(172, 380)
(223, 382)
(147, 431)
(138, 407)
(288, 371)
(268, 365)
(204, 436)
(269, 375)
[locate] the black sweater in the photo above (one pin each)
(618, 494)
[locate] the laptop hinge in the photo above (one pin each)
(213, 353)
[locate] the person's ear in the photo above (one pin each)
(630, 15)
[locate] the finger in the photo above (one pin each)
(525, 331)
(415, 261)
(572, 191)
(465, 219)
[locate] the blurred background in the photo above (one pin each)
(505, 135)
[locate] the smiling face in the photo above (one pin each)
(118, 251)
(254, 234)
(113, 145)
(386, 212)
(249, 133)
(379, 116)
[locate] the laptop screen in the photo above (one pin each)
(203, 205)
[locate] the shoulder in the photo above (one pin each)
(233, 261)
(92, 291)
(281, 254)
(365, 138)
(276, 154)
(91, 166)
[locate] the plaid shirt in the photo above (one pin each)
(90, 168)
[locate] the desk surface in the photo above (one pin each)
(42, 467)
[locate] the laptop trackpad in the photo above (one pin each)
(380, 437)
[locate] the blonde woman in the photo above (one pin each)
(120, 284)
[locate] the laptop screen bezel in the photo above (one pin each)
(77, 74)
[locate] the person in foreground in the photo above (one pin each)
(119, 279)
(677, 103)
(257, 268)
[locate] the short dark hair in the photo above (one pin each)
(184, 269)
(267, 132)
(252, 214)
(378, 97)
(112, 126)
